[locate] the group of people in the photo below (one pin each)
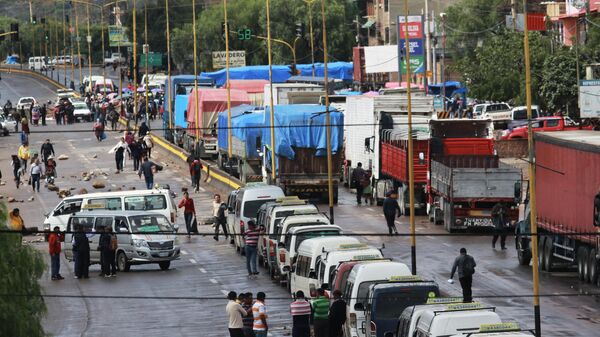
(136, 149)
(36, 171)
(247, 318)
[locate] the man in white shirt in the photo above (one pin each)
(235, 312)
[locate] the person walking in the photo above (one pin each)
(99, 130)
(251, 241)
(321, 314)
(300, 310)
(135, 149)
(148, 144)
(259, 312)
(81, 247)
(54, 240)
(16, 221)
(44, 113)
(465, 264)
(248, 320)
(147, 169)
(358, 180)
(500, 221)
(143, 130)
(219, 209)
(104, 248)
(24, 156)
(119, 151)
(36, 174)
(196, 173)
(46, 151)
(16, 165)
(189, 212)
(337, 314)
(390, 209)
(235, 312)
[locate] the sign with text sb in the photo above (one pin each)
(414, 26)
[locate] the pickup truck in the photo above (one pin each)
(555, 123)
(115, 58)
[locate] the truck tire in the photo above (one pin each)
(585, 258)
(593, 266)
(581, 260)
(548, 258)
(541, 242)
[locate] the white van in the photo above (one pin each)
(155, 201)
(505, 329)
(327, 268)
(304, 275)
(247, 202)
(407, 321)
(457, 318)
(143, 237)
(38, 63)
(357, 287)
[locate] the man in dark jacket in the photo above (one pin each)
(465, 264)
(337, 314)
(143, 130)
(81, 250)
(358, 177)
(46, 151)
(104, 248)
(500, 220)
(148, 172)
(390, 209)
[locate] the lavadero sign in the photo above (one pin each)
(414, 26)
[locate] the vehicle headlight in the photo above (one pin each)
(140, 243)
(176, 241)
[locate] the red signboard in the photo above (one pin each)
(414, 26)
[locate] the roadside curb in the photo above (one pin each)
(211, 172)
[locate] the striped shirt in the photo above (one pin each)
(251, 237)
(258, 310)
(300, 310)
(321, 308)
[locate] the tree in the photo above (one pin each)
(559, 81)
(21, 267)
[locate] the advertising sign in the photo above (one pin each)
(117, 37)
(416, 50)
(237, 58)
(589, 98)
(414, 25)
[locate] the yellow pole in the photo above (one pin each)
(532, 196)
(411, 173)
(103, 54)
(64, 45)
(229, 131)
(147, 52)
(134, 61)
(78, 46)
(169, 66)
(312, 41)
(272, 115)
(89, 43)
(33, 41)
(72, 56)
(197, 110)
(328, 114)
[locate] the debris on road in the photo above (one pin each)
(63, 157)
(31, 199)
(98, 184)
(53, 187)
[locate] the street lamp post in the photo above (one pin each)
(229, 131)
(309, 3)
(196, 107)
(89, 43)
(78, 45)
(147, 51)
(271, 104)
(169, 67)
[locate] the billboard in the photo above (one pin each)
(117, 37)
(589, 98)
(414, 27)
(237, 58)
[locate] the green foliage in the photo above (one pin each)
(559, 81)
(20, 266)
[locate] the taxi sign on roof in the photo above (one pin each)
(500, 327)
(464, 306)
(93, 206)
(407, 278)
(305, 211)
(365, 257)
(444, 300)
(352, 246)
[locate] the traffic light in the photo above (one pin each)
(43, 21)
(34, 19)
(47, 36)
(244, 34)
(14, 27)
(299, 29)
(223, 28)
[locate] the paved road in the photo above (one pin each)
(208, 269)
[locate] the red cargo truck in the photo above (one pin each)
(568, 201)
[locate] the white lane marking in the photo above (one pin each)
(193, 261)
(213, 281)
(429, 237)
(224, 292)
(588, 308)
(202, 270)
(446, 244)
(202, 189)
(183, 252)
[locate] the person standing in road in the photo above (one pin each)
(219, 209)
(147, 169)
(465, 264)
(24, 156)
(251, 241)
(44, 112)
(321, 314)
(135, 149)
(16, 164)
(246, 302)
(105, 247)
(54, 240)
(196, 173)
(143, 130)
(300, 310)
(337, 314)
(16, 221)
(36, 174)
(81, 247)
(119, 151)
(358, 180)
(259, 312)
(189, 212)
(500, 221)
(99, 130)
(235, 312)
(147, 145)
(390, 209)
(46, 151)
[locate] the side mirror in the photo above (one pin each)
(286, 269)
(325, 286)
(359, 307)
(175, 228)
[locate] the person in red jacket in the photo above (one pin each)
(189, 211)
(54, 240)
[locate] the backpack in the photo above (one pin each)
(114, 243)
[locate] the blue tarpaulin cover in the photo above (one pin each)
(451, 86)
(246, 124)
(181, 103)
(281, 73)
(303, 126)
(12, 59)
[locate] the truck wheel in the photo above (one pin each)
(585, 257)
(122, 262)
(581, 258)
(593, 266)
(164, 265)
(548, 258)
(541, 253)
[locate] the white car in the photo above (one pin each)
(81, 111)
(8, 122)
(26, 103)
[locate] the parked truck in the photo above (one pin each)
(301, 151)
(568, 203)
(466, 179)
(293, 93)
(245, 161)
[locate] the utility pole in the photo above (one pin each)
(327, 116)
(443, 70)
(357, 31)
(513, 13)
(428, 59)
